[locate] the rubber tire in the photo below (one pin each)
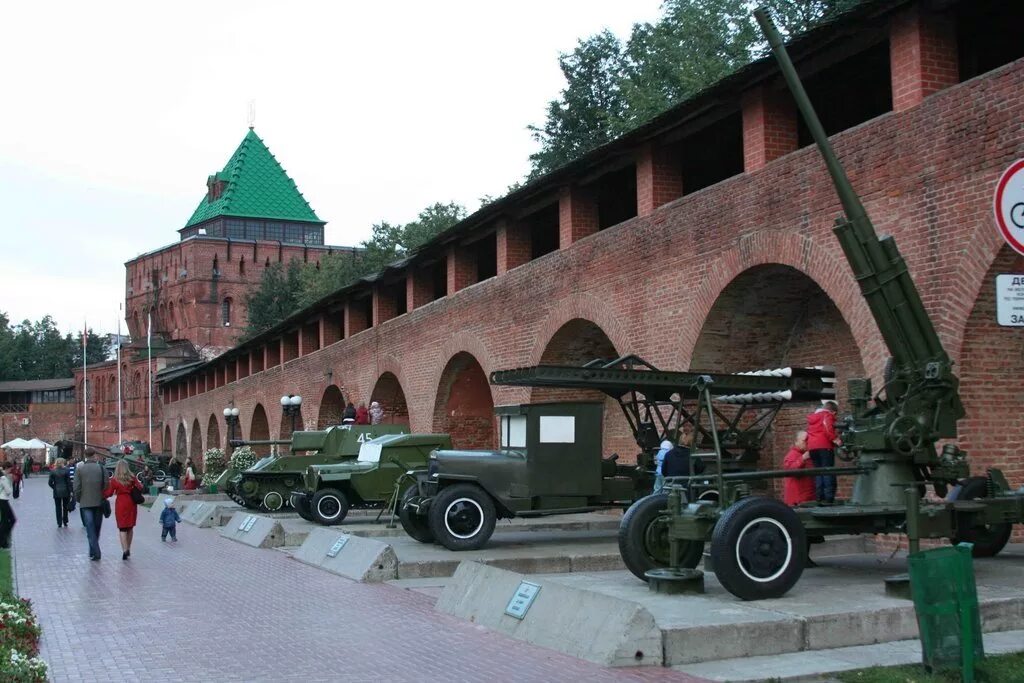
(633, 534)
(438, 508)
(416, 525)
(727, 535)
(303, 508)
(997, 535)
(341, 501)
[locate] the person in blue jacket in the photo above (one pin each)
(169, 519)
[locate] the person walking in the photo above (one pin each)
(126, 510)
(60, 482)
(376, 413)
(362, 415)
(90, 483)
(27, 466)
(15, 474)
(7, 518)
(821, 440)
(796, 490)
(169, 519)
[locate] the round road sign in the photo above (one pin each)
(1009, 205)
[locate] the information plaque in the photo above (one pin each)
(338, 545)
(520, 603)
(1010, 299)
(247, 523)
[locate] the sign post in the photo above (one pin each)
(1009, 205)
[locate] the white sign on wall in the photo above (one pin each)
(1010, 300)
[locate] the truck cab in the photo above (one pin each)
(549, 461)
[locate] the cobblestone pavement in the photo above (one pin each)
(208, 609)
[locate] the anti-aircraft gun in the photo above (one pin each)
(269, 483)
(757, 543)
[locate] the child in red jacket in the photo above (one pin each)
(796, 490)
(821, 439)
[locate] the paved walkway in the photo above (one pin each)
(207, 609)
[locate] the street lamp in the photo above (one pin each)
(292, 405)
(231, 417)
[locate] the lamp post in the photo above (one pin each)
(292, 405)
(231, 417)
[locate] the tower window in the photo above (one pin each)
(225, 312)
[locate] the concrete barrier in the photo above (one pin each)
(581, 623)
(354, 557)
(206, 514)
(254, 530)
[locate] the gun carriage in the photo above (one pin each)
(757, 544)
(550, 458)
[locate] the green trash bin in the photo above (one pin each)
(946, 603)
(154, 490)
(212, 488)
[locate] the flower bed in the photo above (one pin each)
(19, 642)
(214, 463)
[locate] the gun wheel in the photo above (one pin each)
(643, 538)
(988, 540)
(758, 549)
(415, 524)
(302, 506)
(462, 517)
(330, 506)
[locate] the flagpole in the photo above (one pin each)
(117, 341)
(149, 362)
(85, 380)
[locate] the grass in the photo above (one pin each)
(6, 579)
(993, 669)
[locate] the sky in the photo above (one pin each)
(115, 113)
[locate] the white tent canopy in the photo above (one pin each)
(37, 443)
(18, 443)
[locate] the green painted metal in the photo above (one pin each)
(256, 186)
(277, 476)
(369, 480)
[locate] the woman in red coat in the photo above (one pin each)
(126, 511)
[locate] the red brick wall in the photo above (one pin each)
(926, 176)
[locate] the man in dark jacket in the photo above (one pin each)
(174, 473)
(60, 482)
(677, 460)
(90, 481)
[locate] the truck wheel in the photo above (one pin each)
(462, 517)
(415, 524)
(758, 548)
(988, 540)
(643, 537)
(329, 506)
(301, 505)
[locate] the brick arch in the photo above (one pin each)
(464, 404)
(285, 425)
(166, 446)
(259, 429)
(971, 274)
(586, 307)
(799, 252)
(213, 432)
(332, 405)
(389, 393)
(576, 342)
(773, 315)
(181, 442)
(462, 342)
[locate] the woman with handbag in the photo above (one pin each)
(126, 506)
(7, 518)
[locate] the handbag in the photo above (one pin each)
(137, 496)
(105, 507)
(72, 504)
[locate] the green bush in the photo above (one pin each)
(215, 464)
(243, 458)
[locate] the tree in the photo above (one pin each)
(611, 88)
(275, 299)
(37, 350)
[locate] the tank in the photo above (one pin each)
(268, 484)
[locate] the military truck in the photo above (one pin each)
(550, 458)
(329, 491)
(268, 484)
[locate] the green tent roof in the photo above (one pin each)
(255, 187)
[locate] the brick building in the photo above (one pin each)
(702, 239)
(193, 291)
(42, 408)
